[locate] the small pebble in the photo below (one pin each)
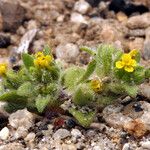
(145, 144)
(76, 133)
(126, 146)
(4, 133)
(61, 134)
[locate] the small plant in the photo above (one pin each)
(40, 83)
(35, 86)
(110, 75)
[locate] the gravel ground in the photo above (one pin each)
(66, 25)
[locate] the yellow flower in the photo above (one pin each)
(133, 53)
(96, 85)
(127, 63)
(3, 69)
(39, 54)
(42, 61)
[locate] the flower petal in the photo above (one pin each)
(129, 68)
(133, 63)
(126, 58)
(119, 64)
(133, 53)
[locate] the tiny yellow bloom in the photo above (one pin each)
(96, 85)
(42, 61)
(39, 54)
(120, 64)
(133, 53)
(129, 68)
(3, 69)
(127, 63)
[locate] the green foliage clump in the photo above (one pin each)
(39, 83)
(110, 75)
(35, 86)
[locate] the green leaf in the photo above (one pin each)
(131, 90)
(147, 73)
(88, 50)
(12, 107)
(104, 101)
(138, 57)
(84, 119)
(47, 50)
(83, 95)
(26, 89)
(71, 76)
(27, 60)
(11, 96)
(41, 103)
(139, 75)
(90, 69)
(116, 88)
(104, 60)
(12, 80)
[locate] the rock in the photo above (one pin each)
(126, 146)
(81, 7)
(143, 2)
(137, 43)
(145, 90)
(121, 17)
(136, 33)
(139, 22)
(21, 118)
(13, 15)
(77, 18)
(61, 134)
(146, 51)
(145, 145)
(12, 146)
(30, 137)
(113, 116)
(108, 34)
(21, 132)
(4, 133)
(39, 44)
(136, 128)
(68, 147)
(4, 41)
(76, 133)
(21, 30)
(26, 41)
(67, 52)
(32, 24)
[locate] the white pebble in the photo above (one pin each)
(146, 144)
(4, 133)
(76, 133)
(82, 7)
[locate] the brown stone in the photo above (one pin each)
(136, 128)
(137, 43)
(138, 22)
(13, 15)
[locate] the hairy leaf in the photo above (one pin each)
(26, 89)
(27, 60)
(84, 119)
(71, 77)
(90, 69)
(88, 50)
(41, 103)
(83, 95)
